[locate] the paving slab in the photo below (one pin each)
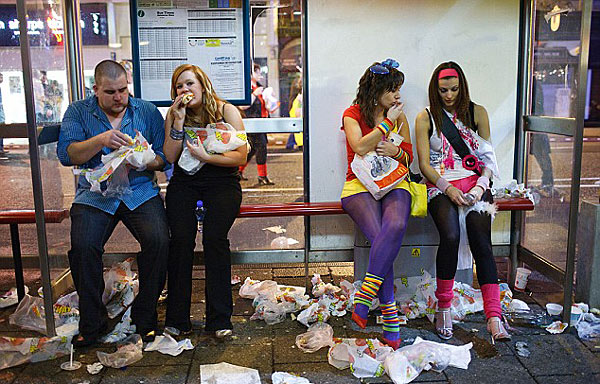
(478, 334)
(559, 354)
(575, 378)
(505, 369)
(258, 356)
(168, 374)
(285, 351)
(318, 372)
(49, 372)
(8, 375)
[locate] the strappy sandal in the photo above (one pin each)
(443, 323)
(497, 330)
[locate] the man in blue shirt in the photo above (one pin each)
(91, 128)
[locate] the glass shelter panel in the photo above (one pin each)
(549, 177)
(549, 157)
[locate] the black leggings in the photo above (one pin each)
(479, 232)
(258, 147)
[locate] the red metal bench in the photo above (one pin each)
(16, 217)
(335, 208)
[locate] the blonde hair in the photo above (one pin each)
(207, 112)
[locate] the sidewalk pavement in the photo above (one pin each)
(554, 358)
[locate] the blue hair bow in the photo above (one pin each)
(384, 67)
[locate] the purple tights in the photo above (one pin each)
(383, 222)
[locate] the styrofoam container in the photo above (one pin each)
(554, 309)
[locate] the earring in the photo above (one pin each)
(374, 102)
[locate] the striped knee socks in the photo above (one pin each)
(391, 324)
(364, 297)
(368, 290)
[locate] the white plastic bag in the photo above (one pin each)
(15, 351)
(364, 357)
(128, 352)
(215, 137)
(120, 288)
(30, 314)
(113, 169)
(406, 363)
(252, 288)
(379, 174)
(11, 298)
(319, 335)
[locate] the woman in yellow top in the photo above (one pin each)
(375, 113)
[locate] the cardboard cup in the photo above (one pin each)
(521, 278)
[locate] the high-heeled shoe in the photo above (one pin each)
(497, 330)
(443, 323)
(223, 333)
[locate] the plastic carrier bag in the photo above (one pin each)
(216, 138)
(379, 174)
(114, 171)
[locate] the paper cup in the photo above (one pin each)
(576, 314)
(521, 278)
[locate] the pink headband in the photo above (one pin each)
(448, 72)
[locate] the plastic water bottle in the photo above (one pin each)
(200, 212)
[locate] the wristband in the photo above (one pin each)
(176, 135)
(385, 126)
(398, 154)
(442, 184)
(483, 182)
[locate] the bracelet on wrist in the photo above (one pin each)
(176, 135)
(398, 155)
(385, 126)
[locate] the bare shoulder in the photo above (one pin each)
(423, 118)
(480, 111)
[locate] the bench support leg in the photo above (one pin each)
(16, 250)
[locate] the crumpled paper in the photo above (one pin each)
(287, 378)
(113, 170)
(557, 327)
(165, 344)
(225, 373)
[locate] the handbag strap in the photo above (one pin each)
(450, 130)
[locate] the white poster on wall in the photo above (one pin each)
(211, 38)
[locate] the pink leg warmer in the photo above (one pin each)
(491, 300)
(444, 293)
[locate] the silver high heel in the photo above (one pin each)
(500, 334)
(443, 316)
(223, 333)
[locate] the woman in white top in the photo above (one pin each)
(459, 189)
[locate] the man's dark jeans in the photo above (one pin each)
(90, 230)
